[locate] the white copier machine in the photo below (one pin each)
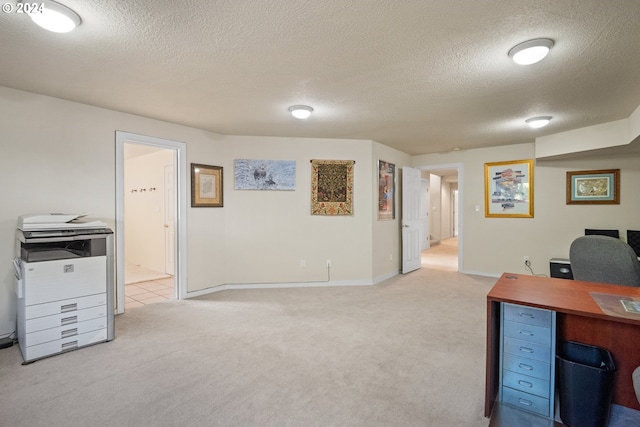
(64, 269)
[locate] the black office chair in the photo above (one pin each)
(604, 259)
(598, 232)
(633, 240)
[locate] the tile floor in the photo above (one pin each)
(149, 292)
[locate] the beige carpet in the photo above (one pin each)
(407, 352)
(443, 256)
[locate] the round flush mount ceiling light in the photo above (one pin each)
(300, 111)
(538, 122)
(530, 51)
(52, 16)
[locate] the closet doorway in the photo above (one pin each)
(148, 243)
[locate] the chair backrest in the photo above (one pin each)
(599, 232)
(604, 259)
(633, 240)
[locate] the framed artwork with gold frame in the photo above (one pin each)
(206, 186)
(508, 189)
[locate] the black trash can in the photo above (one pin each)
(585, 384)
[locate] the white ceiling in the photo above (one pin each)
(420, 76)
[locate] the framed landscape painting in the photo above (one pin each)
(598, 187)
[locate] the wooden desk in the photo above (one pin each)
(578, 318)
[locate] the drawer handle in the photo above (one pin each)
(68, 320)
(527, 315)
(70, 345)
(526, 350)
(525, 383)
(525, 366)
(525, 402)
(69, 333)
(525, 332)
(68, 307)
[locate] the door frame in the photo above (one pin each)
(460, 168)
(180, 211)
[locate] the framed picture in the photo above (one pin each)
(332, 187)
(386, 190)
(265, 174)
(508, 189)
(206, 186)
(600, 187)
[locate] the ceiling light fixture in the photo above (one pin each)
(300, 111)
(530, 51)
(538, 122)
(53, 16)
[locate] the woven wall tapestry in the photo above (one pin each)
(332, 187)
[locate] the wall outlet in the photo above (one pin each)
(390, 257)
(303, 263)
(526, 260)
(328, 263)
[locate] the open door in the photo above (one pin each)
(411, 183)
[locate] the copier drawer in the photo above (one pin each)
(66, 331)
(65, 344)
(66, 306)
(65, 319)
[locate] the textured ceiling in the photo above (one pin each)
(420, 76)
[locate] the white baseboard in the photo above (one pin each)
(230, 286)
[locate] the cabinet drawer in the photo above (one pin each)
(528, 350)
(525, 332)
(529, 367)
(66, 344)
(66, 331)
(526, 402)
(65, 319)
(527, 384)
(65, 306)
(63, 279)
(528, 315)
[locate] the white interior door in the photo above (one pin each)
(424, 215)
(410, 219)
(169, 225)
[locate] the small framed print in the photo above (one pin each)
(508, 189)
(599, 187)
(206, 186)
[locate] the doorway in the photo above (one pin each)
(149, 204)
(150, 219)
(444, 218)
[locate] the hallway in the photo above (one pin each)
(442, 257)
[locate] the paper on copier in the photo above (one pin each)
(55, 221)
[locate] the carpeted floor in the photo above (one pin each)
(443, 256)
(407, 352)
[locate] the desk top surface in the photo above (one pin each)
(560, 295)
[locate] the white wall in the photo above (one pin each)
(492, 246)
(59, 156)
